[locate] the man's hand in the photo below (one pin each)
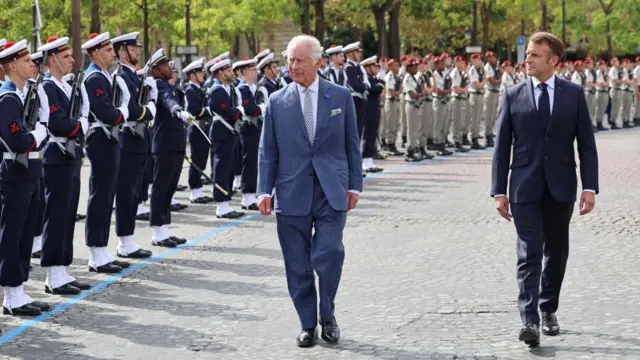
(502, 205)
(587, 202)
(352, 200)
(264, 205)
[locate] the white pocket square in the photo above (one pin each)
(335, 112)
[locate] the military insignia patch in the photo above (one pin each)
(14, 127)
(99, 92)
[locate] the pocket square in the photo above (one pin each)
(336, 112)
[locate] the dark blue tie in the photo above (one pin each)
(544, 109)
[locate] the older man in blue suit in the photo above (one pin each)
(541, 119)
(309, 161)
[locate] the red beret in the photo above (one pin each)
(506, 63)
(403, 57)
(475, 56)
(577, 63)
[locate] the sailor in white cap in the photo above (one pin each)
(103, 149)
(268, 67)
(168, 149)
(284, 78)
(196, 99)
(334, 72)
(357, 82)
(250, 129)
(371, 126)
(224, 102)
(134, 144)
(207, 66)
(19, 183)
(61, 168)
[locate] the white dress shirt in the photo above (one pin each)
(537, 91)
(314, 103)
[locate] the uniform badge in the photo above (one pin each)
(53, 108)
(223, 106)
(336, 112)
(245, 101)
(14, 127)
(99, 92)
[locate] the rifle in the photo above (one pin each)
(31, 108)
(143, 99)
(74, 112)
(115, 90)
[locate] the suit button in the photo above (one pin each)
(546, 158)
(546, 138)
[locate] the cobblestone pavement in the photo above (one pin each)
(429, 274)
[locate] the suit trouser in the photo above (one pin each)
(129, 178)
(221, 163)
(414, 123)
(602, 99)
(627, 100)
(460, 118)
(403, 118)
(476, 105)
(392, 119)
(361, 108)
(104, 155)
(543, 236)
(62, 193)
(250, 138)
(17, 228)
(591, 106)
(370, 132)
(490, 112)
(616, 105)
(166, 174)
(426, 117)
(303, 253)
(439, 118)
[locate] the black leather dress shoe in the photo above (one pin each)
(530, 335)
(209, 199)
(66, 289)
(200, 200)
(206, 181)
(307, 338)
(231, 215)
(177, 240)
(330, 332)
(550, 324)
(43, 306)
(252, 207)
(143, 217)
(80, 285)
(109, 268)
(176, 207)
(122, 264)
(138, 254)
(36, 255)
(168, 243)
(24, 310)
(181, 187)
(80, 217)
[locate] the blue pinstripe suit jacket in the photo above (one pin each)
(287, 162)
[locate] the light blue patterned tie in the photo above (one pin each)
(308, 114)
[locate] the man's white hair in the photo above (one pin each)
(309, 41)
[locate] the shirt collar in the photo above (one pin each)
(551, 82)
(314, 86)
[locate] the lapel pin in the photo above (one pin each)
(326, 96)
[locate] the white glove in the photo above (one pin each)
(184, 116)
(39, 133)
(84, 123)
(126, 96)
(209, 111)
(84, 112)
(125, 112)
(43, 112)
(263, 108)
(153, 94)
(151, 106)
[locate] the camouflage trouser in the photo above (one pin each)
(476, 105)
(414, 123)
(403, 118)
(440, 121)
(490, 112)
(627, 101)
(382, 128)
(591, 105)
(616, 105)
(602, 98)
(427, 123)
(392, 119)
(459, 111)
(636, 98)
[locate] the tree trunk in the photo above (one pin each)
(95, 17)
(145, 16)
(319, 20)
(306, 17)
(609, 42)
(236, 45)
(486, 11)
(76, 36)
(564, 22)
(394, 30)
(381, 28)
(474, 29)
(251, 41)
(545, 20)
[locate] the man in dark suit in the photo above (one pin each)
(309, 157)
(541, 118)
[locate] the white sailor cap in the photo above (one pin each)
(219, 65)
(36, 57)
(96, 41)
(54, 46)
(13, 51)
(2, 42)
(158, 58)
(197, 65)
(284, 54)
(140, 72)
(369, 61)
(351, 47)
(246, 62)
(130, 39)
(261, 55)
(222, 56)
(267, 60)
(334, 49)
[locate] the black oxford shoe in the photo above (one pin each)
(168, 243)
(66, 289)
(252, 207)
(138, 254)
(200, 200)
(24, 310)
(43, 306)
(550, 324)
(109, 268)
(530, 335)
(80, 217)
(80, 285)
(143, 217)
(36, 255)
(331, 332)
(122, 264)
(307, 338)
(177, 240)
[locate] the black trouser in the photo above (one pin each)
(250, 138)
(166, 174)
(543, 233)
(369, 148)
(222, 161)
(360, 114)
(129, 179)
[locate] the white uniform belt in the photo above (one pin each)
(219, 118)
(32, 155)
(94, 125)
(60, 139)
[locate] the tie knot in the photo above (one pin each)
(543, 86)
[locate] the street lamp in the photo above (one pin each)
(467, 33)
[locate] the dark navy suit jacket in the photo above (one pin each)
(544, 156)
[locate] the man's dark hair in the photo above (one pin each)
(555, 44)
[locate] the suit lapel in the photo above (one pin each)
(530, 97)
(294, 100)
(324, 101)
